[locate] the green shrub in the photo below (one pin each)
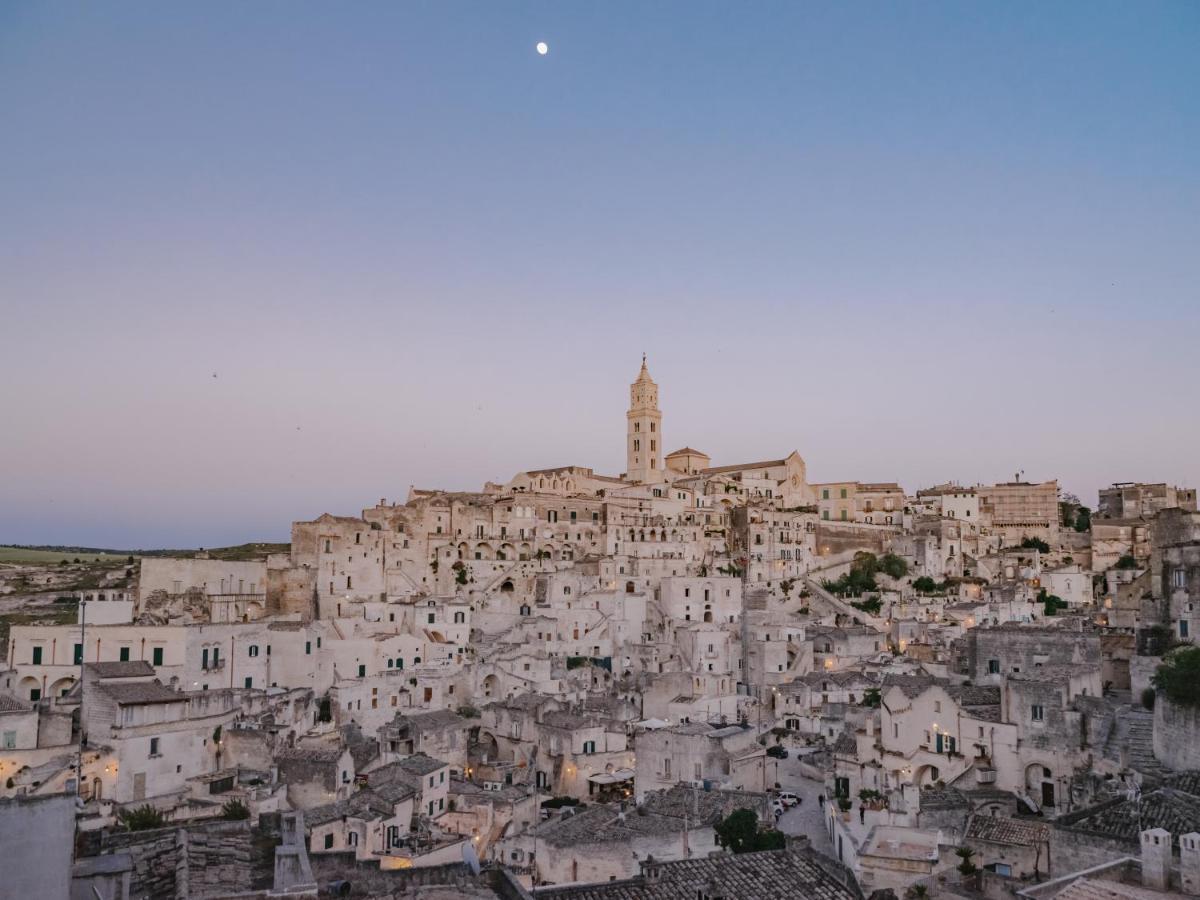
(141, 818)
(236, 810)
(1179, 676)
(739, 832)
(1031, 543)
(1148, 696)
(1126, 562)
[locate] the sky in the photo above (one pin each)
(263, 261)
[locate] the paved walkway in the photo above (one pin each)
(806, 818)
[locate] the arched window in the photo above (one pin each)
(460, 618)
(629, 588)
(254, 649)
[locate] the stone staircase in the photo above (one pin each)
(1133, 729)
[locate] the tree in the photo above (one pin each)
(235, 809)
(1051, 603)
(1032, 543)
(1126, 562)
(916, 892)
(739, 833)
(142, 818)
(872, 698)
(1179, 676)
(966, 867)
(893, 565)
(924, 585)
(1083, 519)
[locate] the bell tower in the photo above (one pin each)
(643, 430)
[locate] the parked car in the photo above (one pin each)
(788, 799)
(777, 752)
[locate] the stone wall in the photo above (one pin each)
(1073, 851)
(1141, 669)
(1176, 734)
(193, 861)
(36, 834)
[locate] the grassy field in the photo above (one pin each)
(59, 614)
(52, 556)
(20, 555)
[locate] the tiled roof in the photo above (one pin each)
(1089, 889)
(12, 704)
(943, 798)
(363, 805)
(1002, 830)
(700, 806)
(766, 875)
(1171, 807)
(737, 467)
(128, 669)
(140, 692)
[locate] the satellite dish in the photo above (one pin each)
(470, 857)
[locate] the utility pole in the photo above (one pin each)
(82, 721)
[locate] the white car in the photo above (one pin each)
(788, 799)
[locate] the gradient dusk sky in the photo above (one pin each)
(915, 241)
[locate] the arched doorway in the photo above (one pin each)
(1039, 783)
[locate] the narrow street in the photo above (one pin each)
(806, 818)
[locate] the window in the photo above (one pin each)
(249, 681)
(307, 647)
(123, 655)
(590, 747)
(825, 493)
(154, 747)
(204, 658)
(843, 493)
(254, 649)
(431, 618)
(10, 740)
(1183, 628)
(1038, 713)
(362, 671)
(993, 667)
(157, 654)
(1178, 578)
(329, 842)
(35, 694)
(78, 654)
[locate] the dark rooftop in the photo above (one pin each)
(766, 875)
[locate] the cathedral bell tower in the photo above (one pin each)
(643, 430)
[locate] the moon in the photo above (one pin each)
(542, 48)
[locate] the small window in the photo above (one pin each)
(154, 746)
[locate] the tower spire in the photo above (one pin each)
(643, 437)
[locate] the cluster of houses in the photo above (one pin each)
(578, 677)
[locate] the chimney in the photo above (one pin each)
(650, 870)
(1189, 863)
(1156, 858)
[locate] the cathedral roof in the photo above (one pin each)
(688, 451)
